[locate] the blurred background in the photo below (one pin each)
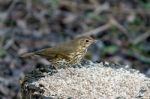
(122, 28)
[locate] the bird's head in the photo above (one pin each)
(85, 42)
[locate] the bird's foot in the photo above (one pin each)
(71, 72)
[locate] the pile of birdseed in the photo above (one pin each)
(96, 81)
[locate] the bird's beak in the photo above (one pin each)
(95, 40)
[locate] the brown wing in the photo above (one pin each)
(52, 53)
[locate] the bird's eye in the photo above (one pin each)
(87, 40)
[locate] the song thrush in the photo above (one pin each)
(65, 54)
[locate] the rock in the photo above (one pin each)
(91, 81)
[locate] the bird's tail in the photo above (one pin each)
(26, 55)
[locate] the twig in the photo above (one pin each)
(29, 5)
(97, 30)
(119, 26)
(12, 6)
(9, 43)
(138, 56)
(74, 5)
(141, 37)
(100, 8)
(112, 22)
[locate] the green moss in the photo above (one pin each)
(96, 17)
(137, 21)
(113, 29)
(2, 52)
(10, 22)
(110, 49)
(136, 25)
(146, 5)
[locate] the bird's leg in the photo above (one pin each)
(71, 72)
(55, 68)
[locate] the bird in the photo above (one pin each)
(65, 54)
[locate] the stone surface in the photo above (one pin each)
(91, 80)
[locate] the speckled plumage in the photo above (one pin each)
(67, 53)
